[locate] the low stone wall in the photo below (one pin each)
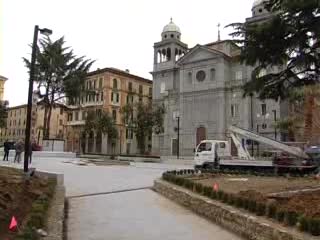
(139, 159)
(240, 222)
(56, 209)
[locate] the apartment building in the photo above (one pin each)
(16, 123)
(113, 89)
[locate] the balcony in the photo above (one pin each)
(76, 123)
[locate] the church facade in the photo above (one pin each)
(201, 89)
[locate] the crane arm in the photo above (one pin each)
(295, 151)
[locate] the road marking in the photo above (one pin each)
(106, 193)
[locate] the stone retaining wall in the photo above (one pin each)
(240, 222)
(56, 209)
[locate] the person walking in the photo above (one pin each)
(19, 150)
(30, 152)
(6, 148)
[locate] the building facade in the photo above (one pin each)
(16, 123)
(202, 87)
(113, 89)
(2, 82)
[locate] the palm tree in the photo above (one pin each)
(101, 124)
(60, 74)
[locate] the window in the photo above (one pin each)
(94, 84)
(264, 126)
(204, 147)
(201, 76)
(263, 109)
(150, 92)
(60, 122)
(163, 87)
(140, 99)
(61, 111)
(115, 83)
(100, 82)
(129, 134)
(140, 89)
(70, 117)
(99, 112)
(130, 86)
(190, 77)
(212, 74)
(114, 115)
(117, 97)
(238, 75)
(234, 110)
(76, 117)
(101, 96)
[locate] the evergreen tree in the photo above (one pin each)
(60, 73)
(287, 39)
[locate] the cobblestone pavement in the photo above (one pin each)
(97, 214)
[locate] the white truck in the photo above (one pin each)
(209, 151)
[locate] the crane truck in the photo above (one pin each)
(208, 150)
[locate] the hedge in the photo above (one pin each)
(290, 218)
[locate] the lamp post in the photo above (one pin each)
(44, 31)
(258, 150)
(275, 121)
(176, 117)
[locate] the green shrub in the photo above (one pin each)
(214, 194)
(252, 206)
(28, 234)
(207, 191)
(280, 215)
(271, 211)
(199, 188)
(304, 223)
(291, 218)
(36, 220)
(246, 203)
(231, 199)
(239, 202)
(220, 195)
(261, 209)
(314, 226)
(225, 197)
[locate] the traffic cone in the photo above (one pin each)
(13, 223)
(215, 187)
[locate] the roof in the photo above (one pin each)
(222, 41)
(195, 48)
(171, 27)
(119, 72)
(3, 78)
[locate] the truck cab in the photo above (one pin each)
(209, 150)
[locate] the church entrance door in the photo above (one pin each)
(201, 134)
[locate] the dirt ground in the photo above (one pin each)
(16, 198)
(284, 192)
(265, 185)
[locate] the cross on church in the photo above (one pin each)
(219, 38)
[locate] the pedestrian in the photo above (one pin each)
(19, 150)
(216, 162)
(6, 148)
(30, 152)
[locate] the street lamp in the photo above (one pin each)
(46, 32)
(176, 116)
(275, 121)
(265, 116)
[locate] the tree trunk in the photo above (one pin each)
(48, 121)
(45, 120)
(49, 115)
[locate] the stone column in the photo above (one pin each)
(94, 142)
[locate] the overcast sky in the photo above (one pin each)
(115, 33)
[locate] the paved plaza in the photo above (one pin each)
(96, 213)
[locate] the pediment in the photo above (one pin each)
(200, 53)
